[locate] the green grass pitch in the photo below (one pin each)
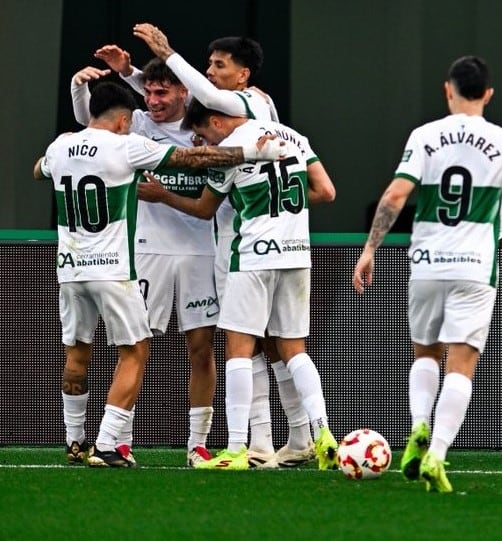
(41, 498)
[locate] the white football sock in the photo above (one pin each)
(308, 385)
(111, 426)
(423, 385)
(238, 396)
(298, 420)
(201, 419)
(125, 437)
(74, 415)
(449, 415)
(260, 422)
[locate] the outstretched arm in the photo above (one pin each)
(201, 88)
(119, 61)
(267, 148)
(80, 93)
(390, 205)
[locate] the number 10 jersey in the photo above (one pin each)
(96, 193)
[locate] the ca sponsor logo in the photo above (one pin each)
(421, 255)
(264, 247)
(65, 259)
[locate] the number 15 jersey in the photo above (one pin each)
(271, 224)
(457, 164)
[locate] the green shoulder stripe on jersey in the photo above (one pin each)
(313, 160)
(165, 159)
(249, 113)
(408, 177)
(483, 205)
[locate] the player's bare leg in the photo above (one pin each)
(121, 398)
(201, 389)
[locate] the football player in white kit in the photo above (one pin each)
(233, 64)
(174, 252)
(95, 179)
(456, 162)
(268, 283)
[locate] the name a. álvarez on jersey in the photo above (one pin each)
(464, 138)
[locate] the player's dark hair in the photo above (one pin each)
(470, 76)
(198, 115)
(107, 96)
(245, 51)
(156, 70)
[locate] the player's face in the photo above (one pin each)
(165, 101)
(226, 74)
(212, 134)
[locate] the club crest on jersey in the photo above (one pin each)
(406, 155)
(218, 177)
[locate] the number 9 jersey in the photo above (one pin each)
(456, 163)
(96, 195)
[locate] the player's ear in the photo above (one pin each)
(488, 95)
(244, 76)
(124, 123)
(448, 91)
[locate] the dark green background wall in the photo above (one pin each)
(355, 77)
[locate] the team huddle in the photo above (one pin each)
(205, 198)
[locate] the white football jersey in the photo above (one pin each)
(457, 163)
(271, 220)
(256, 107)
(162, 229)
(94, 175)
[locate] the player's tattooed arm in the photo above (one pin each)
(206, 156)
(384, 219)
(389, 207)
(267, 147)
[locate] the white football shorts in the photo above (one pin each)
(450, 311)
(221, 263)
(277, 301)
(119, 303)
(189, 279)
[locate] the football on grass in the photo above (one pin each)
(364, 454)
